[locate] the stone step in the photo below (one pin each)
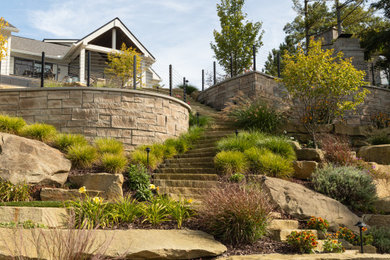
(188, 176)
(202, 150)
(211, 145)
(280, 224)
(189, 160)
(184, 191)
(281, 235)
(186, 183)
(185, 170)
(199, 155)
(198, 164)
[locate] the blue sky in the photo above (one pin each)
(176, 32)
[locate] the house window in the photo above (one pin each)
(31, 68)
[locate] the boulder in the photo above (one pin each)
(383, 205)
(302, 203)
(117, 244)
(375, 153)
(349, 130)
(296, 145)
(377, 220)
(29, 161)
(304, 169)
(310, 154)
(109, 184)
(58, 194)
(382, 187)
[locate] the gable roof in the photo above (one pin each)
(116, 22)
(35, 47)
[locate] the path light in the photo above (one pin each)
(361, 225)
(236, 132)
(147, 156)
(197, 118)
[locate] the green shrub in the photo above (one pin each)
(278, 145)
(193, 134)
(126, 210)
(64, 141)
(257, 115)
(229, 162)
(237, 177)
(13, 192)
(41, 132)
(139, 181)
(235, 215)
(189, 89)
(12, 125)
(303, 242)
(203, 121)
(349, 185)
(140, 157)
(82, 155)
(109, 145)
(379, 139)
(381, 236)
(263, 161)
(113, 163)
(180, 145)
(234, 144)
(160, 151)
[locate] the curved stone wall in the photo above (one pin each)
(131, 116)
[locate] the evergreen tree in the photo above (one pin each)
(236, 38)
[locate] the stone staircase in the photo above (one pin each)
(192, 174)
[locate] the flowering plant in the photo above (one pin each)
(304, 241)
(333, 246)
(351, 237)
(318, 224)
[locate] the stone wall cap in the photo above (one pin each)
(140, 92)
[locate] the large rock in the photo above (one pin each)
(58, 194)
(310, 154)
(302, 203)
(377, 220)
(304, 169)
(31, 161)
(109, 184)
(382, 205)
(118, 244)
(375, 153)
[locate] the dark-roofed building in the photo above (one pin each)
(66, 59)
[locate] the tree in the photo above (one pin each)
(236, 38)
(121, 64)
(271, 64)
(3, 40)
(322, 84)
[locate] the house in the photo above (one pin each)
(66, 59)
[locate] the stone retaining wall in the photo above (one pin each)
(264, 86)
(131, 116)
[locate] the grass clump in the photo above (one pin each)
(230, 162)
(113, 163)
(235, 214)
(64, 141)
(109, 145)
(41, 132)
(13, 192)
(278, 145)
(180, 145)
(140, 157)
(11, 125)
(201, 121)
(127, 210)
(349, 185)
(263, 161)
(82, 155)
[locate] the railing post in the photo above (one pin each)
(185, 89)
(89, 69)
(278, 62)
(170, 80)
(231, 65)
(43, 70)
(215, 72)
(254, 57)
(202, 80)
(135, 72)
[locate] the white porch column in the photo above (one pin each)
(82, 65)
(113, 43)
(6, 61)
